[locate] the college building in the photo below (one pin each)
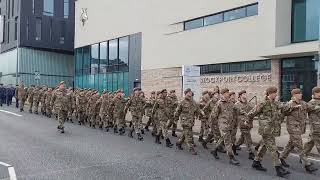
(37, 42)
(247, 44)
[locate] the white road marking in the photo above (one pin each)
(12, 173)
(12, 113)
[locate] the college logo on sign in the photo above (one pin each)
(84, 16)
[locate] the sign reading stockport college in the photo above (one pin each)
(238, 78)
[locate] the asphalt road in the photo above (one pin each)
(32, 144)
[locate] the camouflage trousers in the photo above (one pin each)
(295, 141)
(21, 104)
(172, 123)
(214, 131)
(48, 110)
(119, 122)
(314, 140)
(35, 106)
(187, 137)
(226, 140)
(70, 113)
(137, 123)
(94, 119)
(268, 143)
(81, 116)
(234, 134)
(62, 115)
(163, 128)
(204, 128)
(31, 105)
(245, 137)
(43, 107)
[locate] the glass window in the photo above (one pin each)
(120, 80)
(103, 57)
(252, 10)
(214, 19)
(124, 54)
(66, 9)
(305, 20)
(79, 61)
(103, 81)
(38, 28)
(86, 57)
(62, 32)
(16, 28)
(193, 24)
(235, 14)
(48, 7)
(96, 81)
(114, 82)
(113, 55)
(109, 82)
(126, 83)
(27, 29)
(94, 58)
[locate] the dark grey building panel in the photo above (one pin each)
(57, 31)
(135, 60)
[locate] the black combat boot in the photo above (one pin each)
(106, 129)
(142, 131)
(234, 161)
(168, 143)
(205, 142)
(174, 134)
(310, 169)
(140, 138)
(281, 172)
(284, 163)
(79, 122)
(257, 165)
(122, 131)
(130, 133)
(30, 111)
(221, 149)
(238, 148)
(200, 139)
(115, 130)
(157, 140)
(62, 130)
(71, 120)
(215, 153)
(257, 147)
(90, 124)
(179, 146)
(234, 149)
(251, 156)
(146, 128)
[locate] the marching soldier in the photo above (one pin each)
(30, 97)
(204, 128)
(36, 98)
(314, 118)
(161, 107)
(148, 107)
(268, 112)
(296, 126)
(188, 111)
(245, 128)
(136, 106)
(81, 101)
(172, 105)
(21, 96)
(48, 96)
(105, 110)
(60, 100)
(92, 109)
(117, 111)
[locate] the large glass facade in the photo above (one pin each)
(103, 66)
(298, 73)
(305, 20)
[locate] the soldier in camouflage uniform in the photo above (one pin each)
(235, 124)
(93, 111)
(81, 101)
(30, 97)
(188, 111)
(136, 105)
(105, 110)
(245, 128)
(48, 95)
(36, 98)
(149, 104)
(204, 102)
(72, 104)
(117, 111)
(161, 106)
(172, 105)
(296, 126)
(224, 113)
(60, 100)
(43, 100)
(314, 118)
(21, 96)
(269, 127)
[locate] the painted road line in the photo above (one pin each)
(12, 173)
(12, 113)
